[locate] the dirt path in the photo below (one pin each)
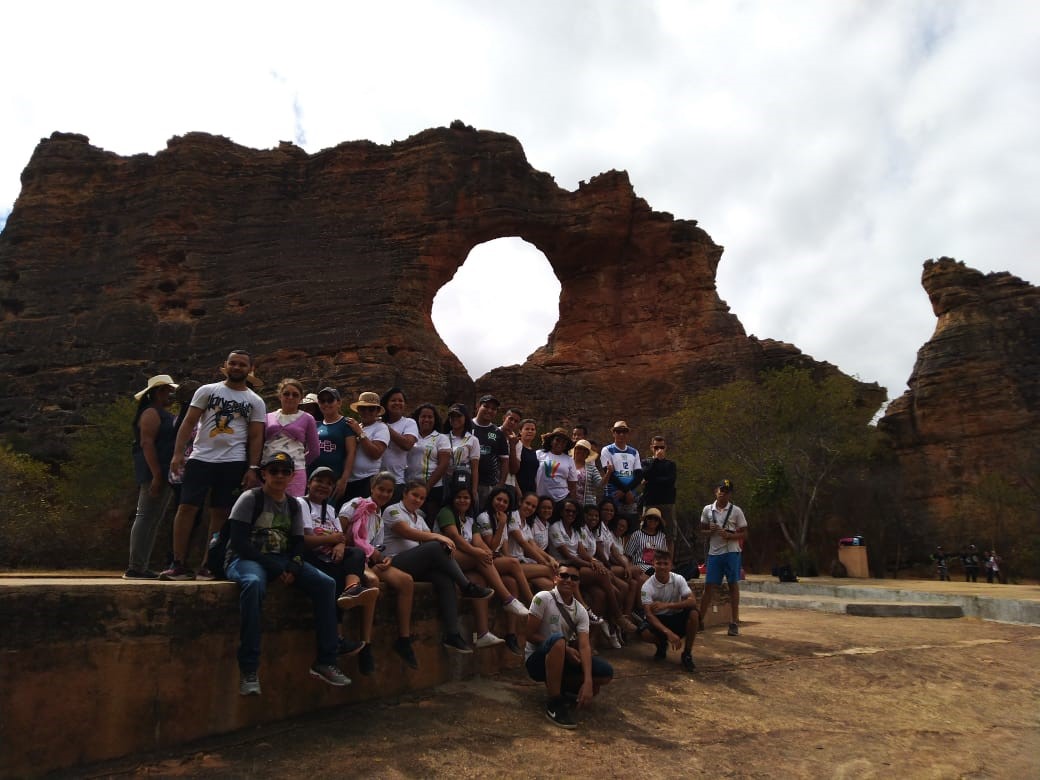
(797, 695)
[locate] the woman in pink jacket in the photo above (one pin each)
(294, 431)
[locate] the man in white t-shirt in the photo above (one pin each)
(671, 611)
(726, 527)
(558, 651)
(229, 419)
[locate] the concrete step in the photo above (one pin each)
(846, 607)
(863, 598)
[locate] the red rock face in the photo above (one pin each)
(972, 412)
(325, 266)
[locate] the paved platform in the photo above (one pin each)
(1018, 604)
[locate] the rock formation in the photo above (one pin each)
(325, 265)
(971, 416)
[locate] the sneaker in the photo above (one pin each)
(176, 573)
(733, 630)
(557, 711)
(403, 647)
(354, 595)
(594, 619)
(249, 684)
(605, 628)
(474, 591)
(331, 674)
(662, 650)
(204, 574)
(488, 640)
(134, 574)
(516, 608)
(348, 647)
(615, 642)
(625, 624)
(457, 644)
(514, 645)
(687, 662)
(366, 663)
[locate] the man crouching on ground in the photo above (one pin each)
(265, 545)
(558, 651)
(671, 611)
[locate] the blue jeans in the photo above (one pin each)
(252, 581)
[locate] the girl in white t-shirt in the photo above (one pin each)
(476, 559)
(493, 526)
(627, 588)
(596, 580)
(464, 446)
(404, 433)
(528, 540)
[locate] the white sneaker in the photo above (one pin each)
(517, 608)
(488, 640)
(605, 627)
(594, 619)
(615, 642)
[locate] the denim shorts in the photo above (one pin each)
(726, 565)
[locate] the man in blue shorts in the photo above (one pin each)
(558, 650)
(726, 527)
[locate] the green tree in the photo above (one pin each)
(785, 440)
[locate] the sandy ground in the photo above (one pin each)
(797, 695)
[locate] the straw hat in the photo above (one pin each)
(593, 454)
(368, 400)
(548, 437)
(159, 380)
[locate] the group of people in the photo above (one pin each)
(972, 560)
(559, 532)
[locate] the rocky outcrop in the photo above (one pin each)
(972, 411)
(325, 265)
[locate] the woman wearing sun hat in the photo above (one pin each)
(154, 435)
(373, 437)
(557, 476)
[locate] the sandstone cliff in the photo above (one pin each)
(970, 422)
(325, 265)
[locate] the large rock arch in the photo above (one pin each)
(326, 265)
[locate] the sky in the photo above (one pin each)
(830, 146)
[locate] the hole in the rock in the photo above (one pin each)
(500, 306)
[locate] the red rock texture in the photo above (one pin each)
(972, 413)
(325, 265)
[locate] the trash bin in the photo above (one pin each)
(854, 558)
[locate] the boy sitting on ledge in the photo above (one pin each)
(266, 543)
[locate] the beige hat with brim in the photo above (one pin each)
(367, 400)
(159, 380)
(587, 445)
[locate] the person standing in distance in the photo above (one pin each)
(229, 419)
(726, 526)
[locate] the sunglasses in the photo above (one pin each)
(567, 576)
(279, 471)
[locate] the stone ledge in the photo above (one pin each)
(118, 667)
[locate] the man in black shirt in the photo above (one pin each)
(659, 476)
(494, 448)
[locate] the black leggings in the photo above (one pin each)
(431, 562)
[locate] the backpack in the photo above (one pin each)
(217, 555)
